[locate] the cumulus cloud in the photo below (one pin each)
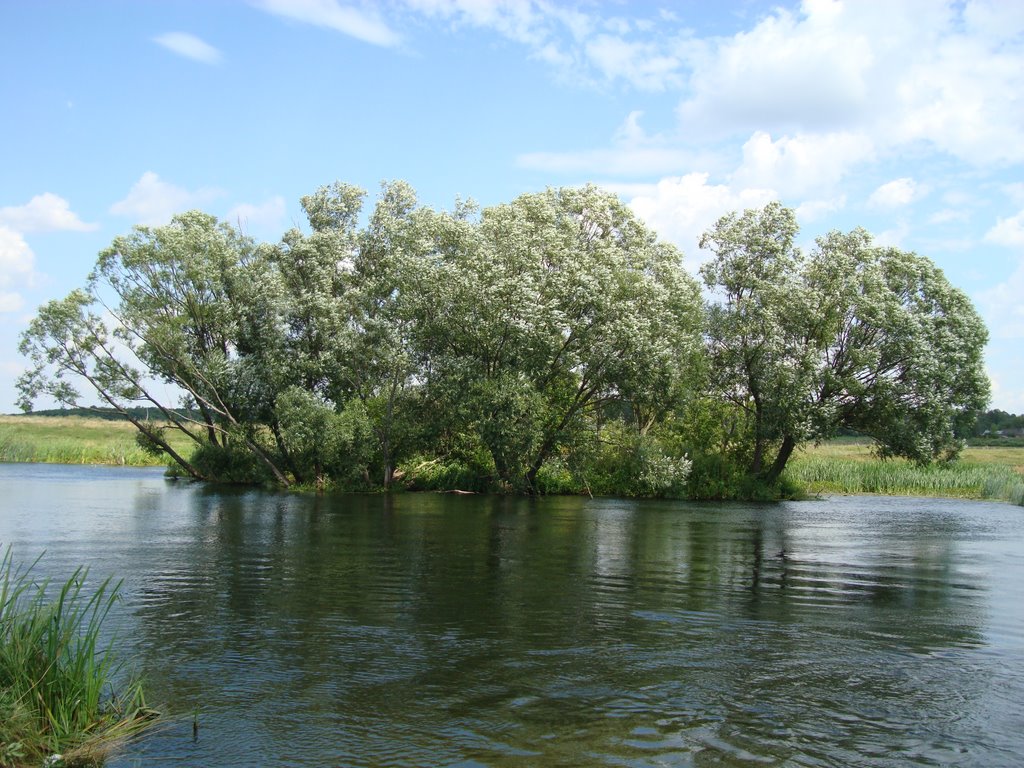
(16, 258)
(152, 201)
(797, 165)
(265, 216)
(189, 46)
(43, 213)
(810, 210)
(633, 153)
(682, 208)
(645, 64)
(1007, 389)
(1002, 307)
(11, 302)
(357, 22)
(897, 193)
(16, 267)
(902, 72)
(1007, 231)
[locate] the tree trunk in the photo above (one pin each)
(785, 451)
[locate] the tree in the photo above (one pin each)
(854, 335)
(168, 294)
(556, 306)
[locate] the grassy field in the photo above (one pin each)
(75, 440)
(847, 466)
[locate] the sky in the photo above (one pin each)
(904, 117)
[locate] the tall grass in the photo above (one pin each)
(849, 471)
(56, 683)
(75, 440)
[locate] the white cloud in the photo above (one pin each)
(796, 165)
(633, 153)
(1002, 307)
(16, 267)
(902, 72)
(11, 302)
(1007, 232)
(626, 161)
(16, 258)
(810, 210)
(897, 193)
(893, 238)
(582, 47)
(153, 202)
(680, 209)
(189, 46)
(265, 216)
(43, 213)
(1008, 397)
(360, 23)
(947, 215)
(643, 64)
(1015, 192)
(520, 20)
(790, 72)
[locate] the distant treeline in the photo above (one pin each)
(996, 422)
(110, 414)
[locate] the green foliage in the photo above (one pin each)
(996, 421)
(630, 463)
(229, 463)
(851, 336)
(551, 342)
(553, 307)
(469, 473)
(56, 692)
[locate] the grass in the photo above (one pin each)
(847, 466)
(76, 440)
(844, 465)
(56, 683)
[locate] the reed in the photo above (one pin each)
(56, 682)
(850, 468)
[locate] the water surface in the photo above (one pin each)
(473, 631)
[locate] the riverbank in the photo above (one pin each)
(842, 466)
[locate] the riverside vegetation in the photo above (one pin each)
(56, 683)
(842, 466)
(550, 344)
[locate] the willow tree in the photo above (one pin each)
(852, 335)
(554, 307)
(158, 308)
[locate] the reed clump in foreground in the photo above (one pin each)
(57, 685)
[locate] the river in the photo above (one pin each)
(438, 630)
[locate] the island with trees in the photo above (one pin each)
(549, 344)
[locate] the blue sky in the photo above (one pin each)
(904, 117)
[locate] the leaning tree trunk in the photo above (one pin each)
(785, 451)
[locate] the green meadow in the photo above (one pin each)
(74, 440)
